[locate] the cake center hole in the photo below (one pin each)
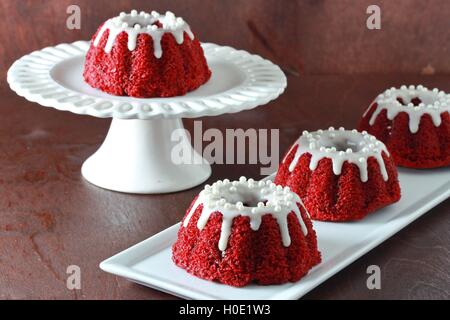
(144, 25)
(343, 145)
(248, 199)
(415, 101)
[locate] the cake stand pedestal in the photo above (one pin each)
(139, 154)
(136, 157)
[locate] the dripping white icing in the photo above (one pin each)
(134, 24)
(433, 102)
(340, 146)
(261, 198)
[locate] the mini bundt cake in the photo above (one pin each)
(145, 55)
(414, 123)
(245, 231)
(340, 175)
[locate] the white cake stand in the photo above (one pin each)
(136, 154)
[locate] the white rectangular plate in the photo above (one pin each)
(149, 262)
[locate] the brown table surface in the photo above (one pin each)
(50, 217)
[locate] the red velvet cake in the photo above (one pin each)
(414, 123)
(145, 55)
(340, 175)
(245, 231)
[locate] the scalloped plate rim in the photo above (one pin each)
(274, 89)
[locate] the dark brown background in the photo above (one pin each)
(51, 218)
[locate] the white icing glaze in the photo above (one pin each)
(434, 103)
(331, 143)
(135, 24)
(228, 198)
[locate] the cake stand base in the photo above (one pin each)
(137, 157)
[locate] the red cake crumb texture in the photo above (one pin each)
(241, 232)
(145, 55)
(340, 175)
(414, 123)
